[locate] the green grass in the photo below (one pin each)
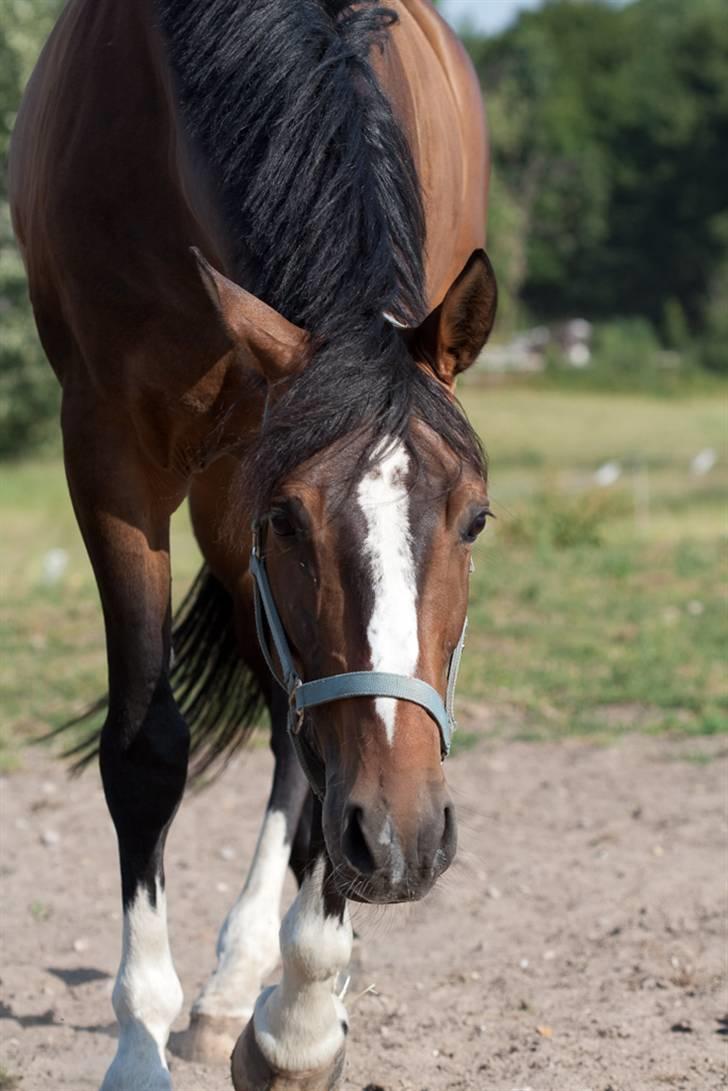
(596, 610)
(8, 1082)
(593, 611)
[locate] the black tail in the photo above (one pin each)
(216, 692)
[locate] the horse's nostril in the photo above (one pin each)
(354, 844)
(449, 834)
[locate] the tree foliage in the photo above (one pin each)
(609, 129)
(28, 389)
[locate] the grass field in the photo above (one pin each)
(594, 609)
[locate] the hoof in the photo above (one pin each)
(252, 1072)
(209, 1039)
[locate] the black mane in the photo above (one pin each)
(322, 208)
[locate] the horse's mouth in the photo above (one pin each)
(380, 889)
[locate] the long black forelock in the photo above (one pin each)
(323, 213)
(374, 396)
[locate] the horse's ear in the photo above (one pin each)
(279, 349)
(451, 337)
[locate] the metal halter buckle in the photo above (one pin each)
(295, 714)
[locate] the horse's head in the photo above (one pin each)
(367, 550)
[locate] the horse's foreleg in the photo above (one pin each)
(247, 947)
(123, 508)
(296, 1038)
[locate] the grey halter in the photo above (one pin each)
(321, 691)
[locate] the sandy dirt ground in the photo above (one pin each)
(578, 943)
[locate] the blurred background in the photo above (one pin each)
(599, 594)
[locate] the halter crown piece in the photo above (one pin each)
(336, 687)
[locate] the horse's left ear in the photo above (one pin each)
(451, 337)
(276, 347)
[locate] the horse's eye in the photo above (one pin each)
(477, 524)
(282, 525)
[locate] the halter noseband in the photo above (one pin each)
(303, 695)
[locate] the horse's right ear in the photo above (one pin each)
(452, 335)
(278, 348)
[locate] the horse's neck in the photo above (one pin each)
(435, 93)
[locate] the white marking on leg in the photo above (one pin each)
(247, 947)
(300, 1024)
(392, 630)
(147, 998)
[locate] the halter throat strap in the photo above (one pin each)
(304, 695)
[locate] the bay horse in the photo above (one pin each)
(253, 236)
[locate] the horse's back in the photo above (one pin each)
(98, 195)
(434, 89)
(107, 197)
(102, 190)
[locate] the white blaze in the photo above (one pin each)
(392, 630)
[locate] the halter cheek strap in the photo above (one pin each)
(337, 687)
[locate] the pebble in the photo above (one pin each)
(81, 944)
(50, 838)
(683, 1026)
(227, 852)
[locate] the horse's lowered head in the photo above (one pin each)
(365, 544)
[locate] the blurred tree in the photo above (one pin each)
(28, 389)
(609, 130)
(714, 343)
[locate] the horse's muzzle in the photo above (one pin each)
(381, 859)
